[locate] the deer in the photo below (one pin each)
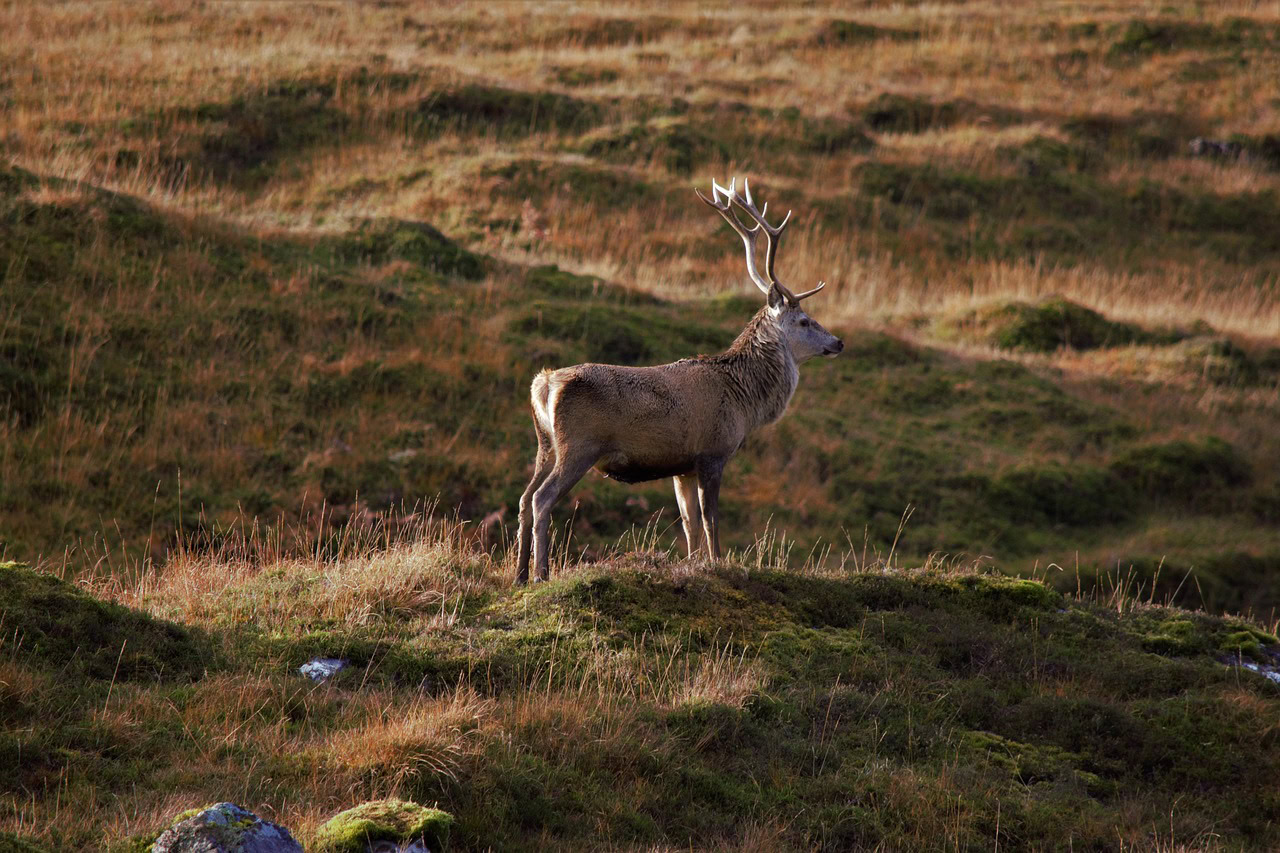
(684, 420)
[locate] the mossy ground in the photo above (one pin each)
(645, 701)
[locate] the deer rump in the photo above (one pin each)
(643, 428)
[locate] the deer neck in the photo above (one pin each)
(761, 370)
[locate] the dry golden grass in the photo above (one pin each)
(80, 72)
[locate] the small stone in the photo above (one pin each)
(225, 828)
(1271, 672)
(318, 669)
(385, 826)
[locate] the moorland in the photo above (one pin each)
(274, 279)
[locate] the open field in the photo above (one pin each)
(274, 273)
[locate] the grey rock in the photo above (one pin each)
(318, 669)
(226, 828)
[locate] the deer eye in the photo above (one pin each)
(804, 324)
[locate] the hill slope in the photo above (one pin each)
(642, 703)
(166, 377)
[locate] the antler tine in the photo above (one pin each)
(773, 234)
(809, 293)
(748, 235)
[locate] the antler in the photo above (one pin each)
(748, 235)
(773, 235)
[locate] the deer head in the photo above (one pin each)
(804, 336)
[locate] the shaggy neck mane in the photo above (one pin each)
(758, 368)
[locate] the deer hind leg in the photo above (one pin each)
(570, 465)
(541, 468)
(709, 502)
(690, 511)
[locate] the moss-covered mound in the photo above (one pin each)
(53, 625)
(354, 830)
(1045, 327)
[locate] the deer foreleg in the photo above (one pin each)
(709, 502)
(690, 511)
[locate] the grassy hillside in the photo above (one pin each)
(639, 703)
(260, 299)
(170, 376)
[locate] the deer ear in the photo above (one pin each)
(776, 299)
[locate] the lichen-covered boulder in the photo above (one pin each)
(225, 828)
(385, 825)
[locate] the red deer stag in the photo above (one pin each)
(682, 420)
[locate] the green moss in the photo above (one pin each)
(1175, 636)
(353, 830)
(1241, 642)
(1004, 598)
(1200, 474)
(64, 629)
(1031, 764)
(11, 843)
